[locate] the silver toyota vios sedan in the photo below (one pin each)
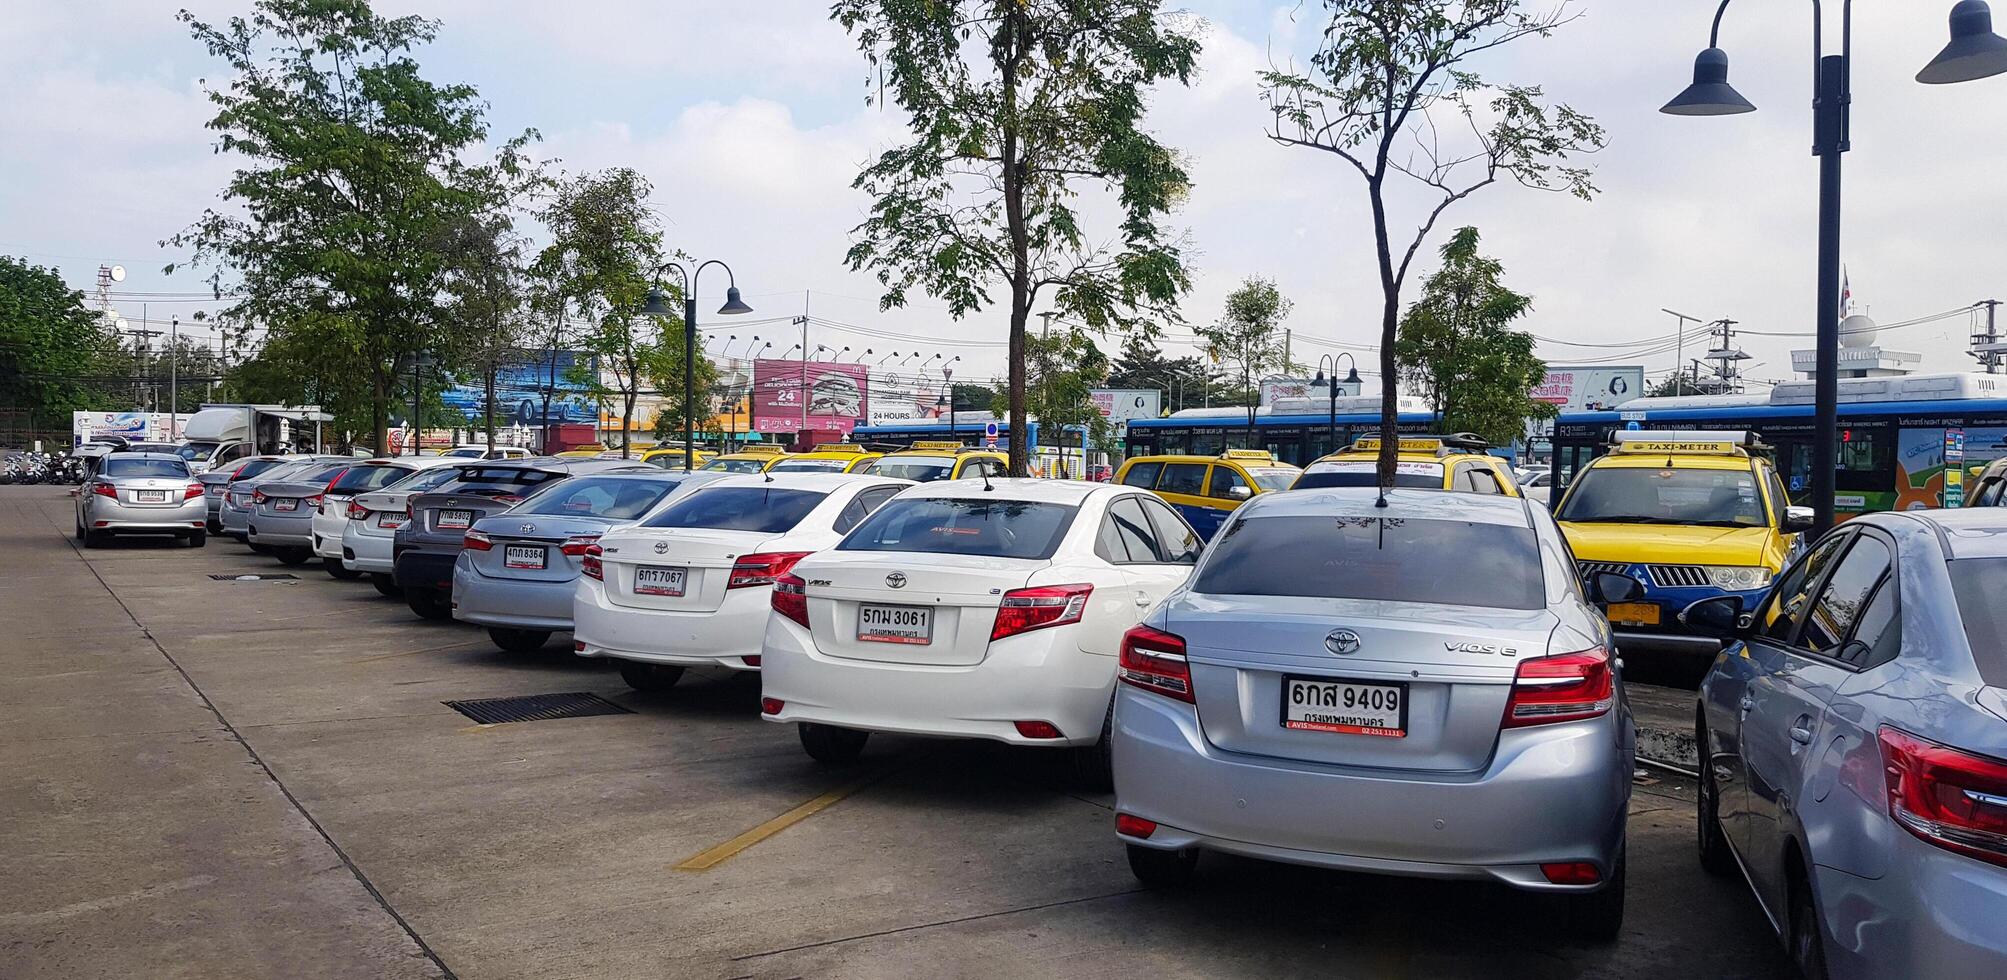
(1418, 689)
(141, 493)
(1855, 739)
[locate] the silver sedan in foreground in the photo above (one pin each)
(142, 493)
(1419, 689)
(1854, 735)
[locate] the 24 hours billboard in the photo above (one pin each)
(790, 396)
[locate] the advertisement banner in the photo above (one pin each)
(1119, 405)
(1275, 388)
(519, 390)
(130, 426)
(789, 396)
(1583, 389)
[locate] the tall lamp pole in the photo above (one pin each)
(658, 305)
(1330, 383)
(1973, 52)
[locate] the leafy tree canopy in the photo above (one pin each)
(1457, 347)
(50, 343)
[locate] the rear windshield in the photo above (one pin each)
(1363, 473)
(1979, 583)
(1391, 559)
(159, 469)
(363, 479)
(735, 465)
(318, 472)
(257, 466)
(952, 526)
(613, 499)
(762, 509)
(920, 470)
(424, 480)
(504, 479)
(1641, 495)
(810, 466)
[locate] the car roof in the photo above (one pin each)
(1419, 504)
(1431, 456)
(1968, 532)
(1680, 461)
(819, 482)
(151, 456)
(1021, 488)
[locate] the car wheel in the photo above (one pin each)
(650, 678)
(260, 549)
(519, 641)
(385, 585)
(80, 530)
(429, 604)
(1094, 765)
(340, 571)
(1597, 916)
(95, 539)
(1162, 869)
(1715, 857)
(293, 557)
(832, 746)
(1808, 945)
(198, 539)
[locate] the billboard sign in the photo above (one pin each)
(130, 426)
(1274, 388)
(1119, 405)
(790, 396)
(1593, 388)
(519, 390)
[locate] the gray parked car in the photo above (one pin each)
(426, 545)
(1420, 689)
(233, 515)
(283, 509)
(1854, 744)
(141, 493)
(517, 571)
(216, 482)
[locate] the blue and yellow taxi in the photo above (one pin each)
(751, 459)
(1207, 488)
(835, 457)
(1691, 515)
(1448, 462)
(929, 460)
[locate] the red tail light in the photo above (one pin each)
(410, 510)
(1024, 610)
(1953, 799)
(313, 501)
(1155, 661)
(257, 496)
(790, 598)
(193, 491)
(771, 706)
(1568, 687)
(357, 512)
(477, 541)
(576, 545)
(589, 563)
(763, 568)
(1571, 873)
(1133, 826)
(105, 490)
(1038, 729)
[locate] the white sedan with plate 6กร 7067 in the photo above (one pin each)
(973, 609)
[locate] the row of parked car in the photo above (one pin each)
(1417, 682)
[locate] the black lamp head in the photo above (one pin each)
(1974, 52)
(658, 303)
(733, 304)
(1352, 377)
(1710, 94)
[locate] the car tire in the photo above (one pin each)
(519, 641)
(94, 539)
(1807, 944)
(831, 745)
(1094, 765)
(650, 678)
(1715, 857)
(385, 585)
(293, 557)
(199, 539)
(259, 549)
(429, 603)
(1162, 869)
(338, 571)
(1597, 916)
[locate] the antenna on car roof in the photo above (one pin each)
(986, 480)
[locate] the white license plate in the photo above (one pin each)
(1345, 707)
(391, 521)
(455, 520)
(656, 580)
(523, 556)
(150, 496)
(286, 504)
(895, 624)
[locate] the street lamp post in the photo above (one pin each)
(1330, 383)
(948, 390)
(658, 305)
(1974, 52)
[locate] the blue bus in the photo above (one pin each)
(1298, 439)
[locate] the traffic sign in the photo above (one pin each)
(990, 431)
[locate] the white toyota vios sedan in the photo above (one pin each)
(687, 586)
(976, 610)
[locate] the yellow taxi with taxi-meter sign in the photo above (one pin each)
(929, 460)
(835, 457)
(751, 459)
(1691, 515)
(1448, 462)
(1205, 489)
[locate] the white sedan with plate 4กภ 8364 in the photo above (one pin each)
(973, 609)
(687, 586)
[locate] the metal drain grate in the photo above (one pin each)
(276, 577)
(536, 707)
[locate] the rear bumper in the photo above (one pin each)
(1548, 795)
(289, 531)
(423, 570)
(1935, 914)
(362, 552)
(724, 637)
(516, 603)
(105, 516)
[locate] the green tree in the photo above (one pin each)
(665, 372)
(353, 162)
(1184, 381)
(1062, 370)
(488, 303)
(1389, 87)
(52, 348)
(1457, 347)
(1015, 107)
(1248, 336)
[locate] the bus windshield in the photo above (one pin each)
(1642, 495)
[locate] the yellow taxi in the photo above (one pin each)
(671, 457)
(751, 459)
(1691, 516)
(926, 461)
(1452, 462)
(587, 451)
(838, 457)
(1208, 488)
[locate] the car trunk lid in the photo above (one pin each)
(446, 514)
(674, 569)
(531, 547)
(940, 611)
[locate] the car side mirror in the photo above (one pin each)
(1798, 519)
(1720, 617)
(1239, 493)
(1608, 587)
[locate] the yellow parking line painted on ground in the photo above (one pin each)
(711, 857)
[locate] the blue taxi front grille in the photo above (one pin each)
(1679, 576)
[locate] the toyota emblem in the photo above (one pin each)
(1342, 642)
(527, 528)
(661, 547)
(896, 580)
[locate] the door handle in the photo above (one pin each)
(1801, 732)
(1747, 703)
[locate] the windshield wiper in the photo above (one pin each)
(1623, 519)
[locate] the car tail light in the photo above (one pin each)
(762, 568)
(477, 541)
(357, 512)
(410, 510)
(1950, 798)
(1024, 610)
(1133, 826)
(752, 661)
(790, 598)
(257, 496)
(1568, 687)
(509, 498)
(193, 491)
(105, 490)
(771, 706)
(1155, 661)
(1571, 873)
(589, 563)
(1037, 729)
(576, 545)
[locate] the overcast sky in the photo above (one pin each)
(750, 119)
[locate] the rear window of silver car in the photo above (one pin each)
(613, 499)
(363, 479)
(475, 478)
(951, 526)
(1457, 563)
(1979, 583)
(762, 509)
(145, 469)
(423, 480)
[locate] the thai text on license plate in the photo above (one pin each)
(895, 624)
(523, 556)
(655, 580)
(150, 496)
(286, 504)
(455, 519)
(392, 521)
(1345, 707)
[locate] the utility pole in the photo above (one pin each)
(1987, 346)
(174, 379)
(1679, 347)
